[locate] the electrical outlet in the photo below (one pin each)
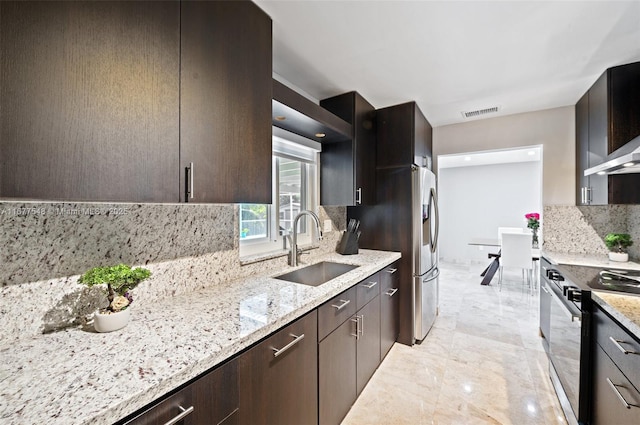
(327, 226)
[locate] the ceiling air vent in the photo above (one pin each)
(478, 112)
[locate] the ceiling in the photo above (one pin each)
(452, 56)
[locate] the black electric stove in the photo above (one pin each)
(602, 278)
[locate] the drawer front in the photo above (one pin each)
(623, 349)
(614, 398)
(179, 404)
(367, 290)
(334, 312)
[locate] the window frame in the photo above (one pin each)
(274, 242)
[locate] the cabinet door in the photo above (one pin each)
(582, 149)
(89, 95)
(368, 345)
(389, 308)
(615, 400)
(348, 168)
(598, 140)
(337, 373)
(225, 102)
(281, 387)
(404, 136)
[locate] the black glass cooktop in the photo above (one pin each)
(602, 279)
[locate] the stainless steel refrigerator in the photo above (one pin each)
(405, 219)
(425, 249)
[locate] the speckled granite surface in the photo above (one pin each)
(186, 247)
(92, 378)
(624, 308)
(594, 260)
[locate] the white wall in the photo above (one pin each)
(475, 201)
(552, 128)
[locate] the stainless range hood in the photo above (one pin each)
(625, 160)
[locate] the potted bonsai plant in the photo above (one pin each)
(618, 244)
(119, 281)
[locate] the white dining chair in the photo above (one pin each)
(515, 252)
(502, 230)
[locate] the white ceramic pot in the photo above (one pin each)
(111, 322)
(620, 257)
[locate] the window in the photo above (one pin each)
(295, 189)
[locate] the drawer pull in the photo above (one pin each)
(279, 351)
(614, 387)
(183, 414)
(544, 289)
(617, 343)
(370, 285)
(391, 271)
(391, 291)
(341, 306)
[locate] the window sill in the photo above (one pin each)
(256, 258)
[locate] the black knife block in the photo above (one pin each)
(348, 244)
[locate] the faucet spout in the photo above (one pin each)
(294, 251)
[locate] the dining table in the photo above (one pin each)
(488, 273)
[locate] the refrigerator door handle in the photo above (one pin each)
(433, 276)
(434, 237)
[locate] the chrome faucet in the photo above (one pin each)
(295, 251)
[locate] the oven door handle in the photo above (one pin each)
(574, 317)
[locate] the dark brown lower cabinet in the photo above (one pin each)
(211, 399)
(389, 309)
(279, 378)
(368, 345)
(336, 366)
(347, 358)
(615, 401)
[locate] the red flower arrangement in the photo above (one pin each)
(533, 220)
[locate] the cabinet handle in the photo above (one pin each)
(391, 291)
(190, 182)
(589, 197)
(544, 289)
(614, 387)
(370, 285)
(582, 197)
(617, 343)
(357, 334)
(391, 271)
(341, 306)
(184, 413)
(296, 339)
(359, 196)
(362, 325)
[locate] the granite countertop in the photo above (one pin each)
(625, 308)
(80, 377)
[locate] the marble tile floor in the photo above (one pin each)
(482, 362)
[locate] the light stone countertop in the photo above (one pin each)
(625, 308)
(81, 377)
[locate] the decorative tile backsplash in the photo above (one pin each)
(45, 246)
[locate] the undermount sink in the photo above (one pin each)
(317, 274)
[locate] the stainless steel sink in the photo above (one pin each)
(317, 274)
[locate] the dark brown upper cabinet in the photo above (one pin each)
(225, 103)
(114, 101)
(404, 136)
(607, 117)
(348, 168)
(89, 95)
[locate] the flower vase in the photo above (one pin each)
(109, 322)
(534, 239)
